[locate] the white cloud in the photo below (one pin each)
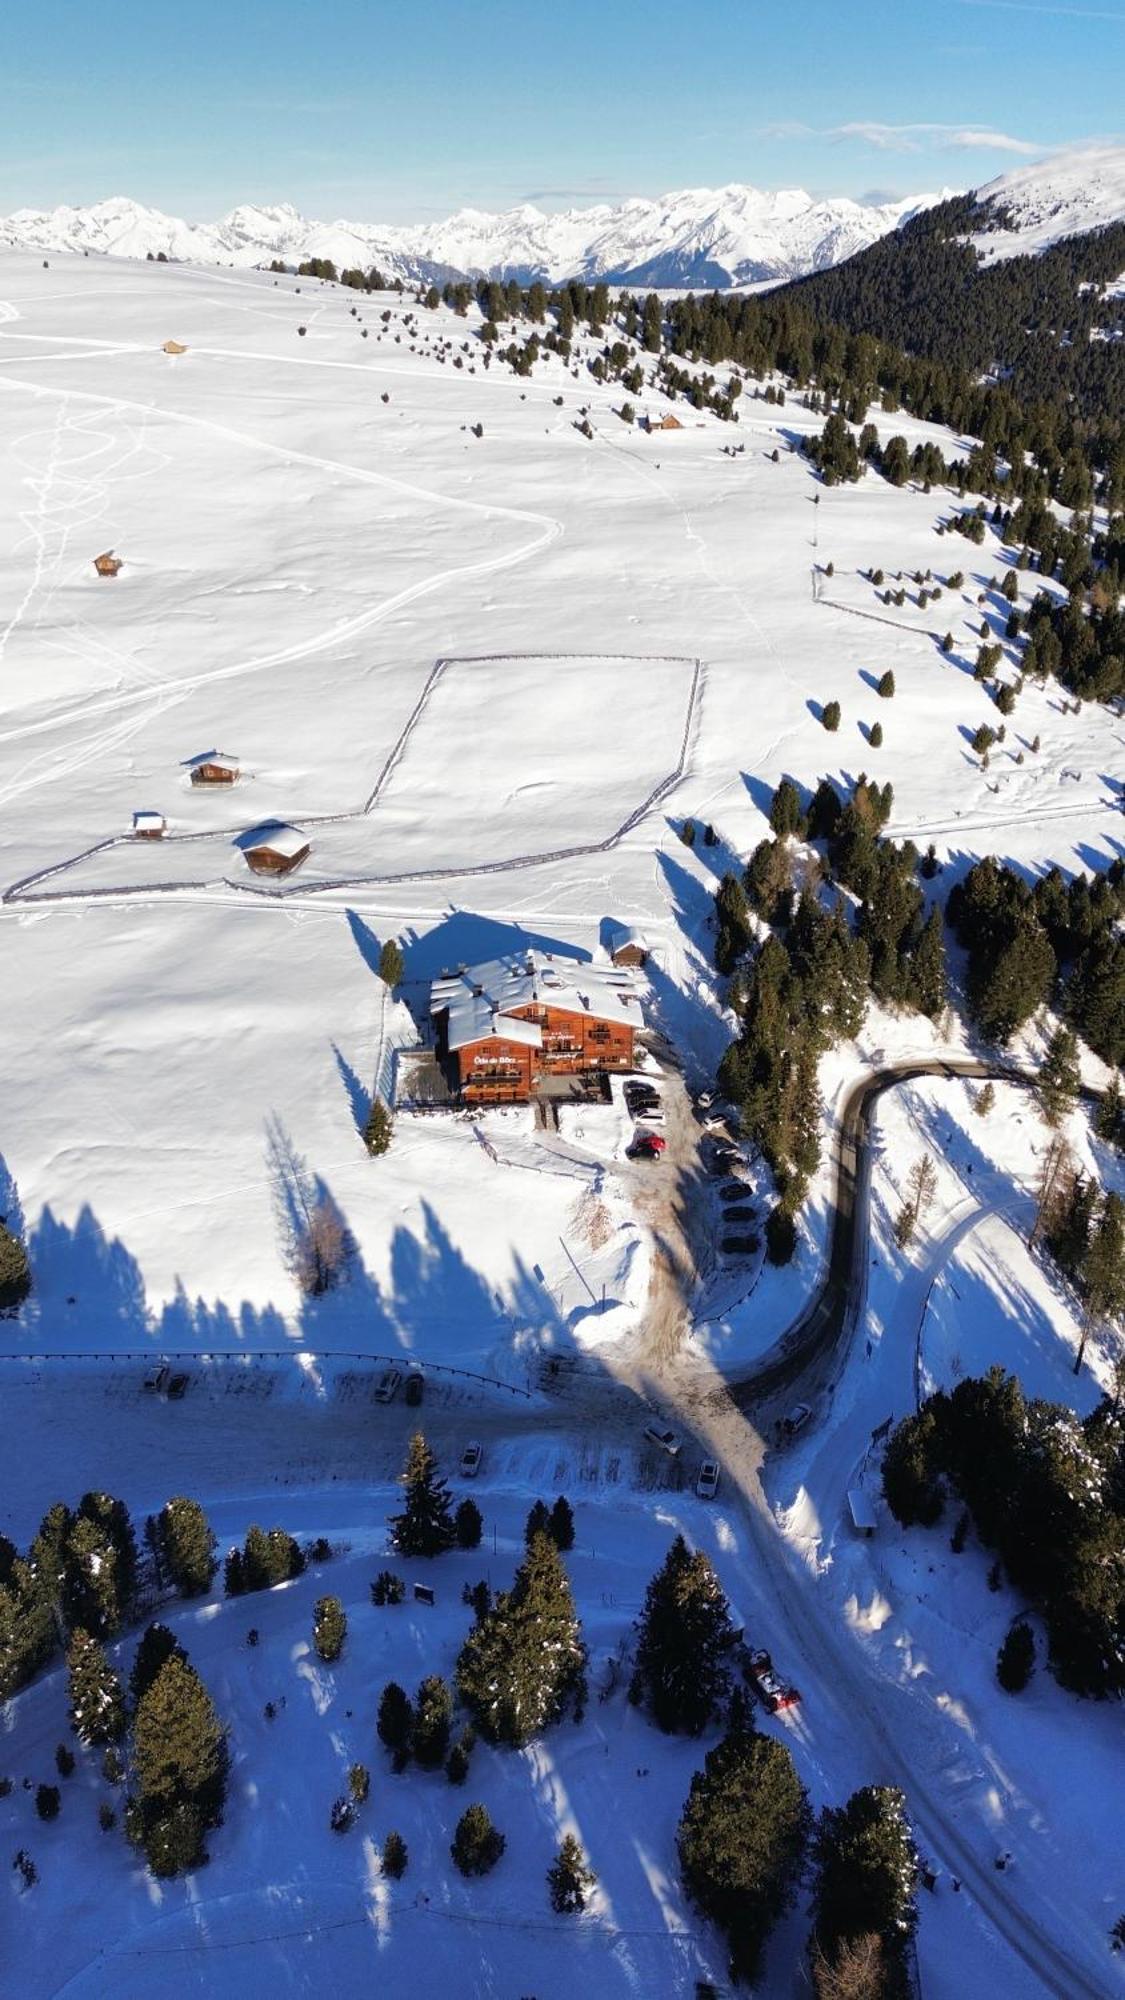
(918, 138)
(1065, 13)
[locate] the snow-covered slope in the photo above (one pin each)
(731, 235)
(1064, 196)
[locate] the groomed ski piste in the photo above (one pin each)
(631, 639)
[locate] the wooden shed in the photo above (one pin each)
(862, 1512)
(665, 423)
(149, 825)
(174, 347)
(627, 945)
(275, 849)
(107, 564)
(214, 767)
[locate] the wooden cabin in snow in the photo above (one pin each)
(215, 767)
(149, 825)
(107, 564)
(275, 849)
(665, 423)
(626, 944)
(174, 347)
(506, 1026)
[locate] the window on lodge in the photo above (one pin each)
(600, 1034)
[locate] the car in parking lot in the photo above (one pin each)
(795, 1421)
(388, 1386)
(646, 1146)
(740, 1246)
(707, 1483)
(415, 1387)
(659, 1434)
(471, 1460)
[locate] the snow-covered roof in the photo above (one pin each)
(619, 935)
(480, 998)
(222, 758)
(148, 822)
(277, 837)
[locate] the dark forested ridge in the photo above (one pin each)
(1044, 321)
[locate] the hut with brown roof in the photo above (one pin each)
(274, 848)
(214, 767)
(107, 564)
(174, 347)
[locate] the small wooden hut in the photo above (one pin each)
(627, 945)
(275, 849)
(107, 564)
(174, 347)
(214, 767)
(148, 825)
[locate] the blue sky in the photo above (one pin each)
(391, 111)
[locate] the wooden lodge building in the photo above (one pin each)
(504, 1027)
(215, 767)
(275, 849)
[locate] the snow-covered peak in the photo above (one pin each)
(715, 236)
(1066, 195)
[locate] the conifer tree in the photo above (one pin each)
(396, 1717)
(187, 1546)
(180, 1761)
(538, 1521)
(15, 1272)
(866, 1871)
(928, 975)
(741, 1841)
(477, 1845)
(392, 965)
(570, 1877)
(1015, 1662)
(685, 1640)
(157, 1646)
(786, 816)
(468, 1524)
(425, 1526)
(561, 1528)
(1059, 1077)
(1108, 1116)
(830, 716)
(525, 1658)
(433, 1721)
(97, 1699)
(92, 1595)
(984, 1100)
(378, 1131)
(886, 685)
(330, 1628)
(395, 1856)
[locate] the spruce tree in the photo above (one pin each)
(425, 1526)
(92, 1595)
(524, 1660)
(561, 1528)
(984, 1100)
(392, 965)
(395, 1856)
(570, 1878)
(187, 1546)
(786, 816)
(1015, 1662)
(157, 1646)
(433, 1722)
(830, 716)
(97, 1699)
(330, 1628)
(537, 1522)
(886, 686)
(875, 736)
(379, 1128)
(927, 967)
(866, 1871)
(396, 1717)
(741, 1841)
(15, 1272)
(1059, 1077)
(468, 1525)
(180, 1761)
(1108, 1116)
(685, 1640)
(477, 1845)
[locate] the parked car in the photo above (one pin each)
(641, 1100)
(667, 1440)
(388, 1386)
(796, 1420)
(739, 1246)
(415, 1387)
(177, 1387)
(646, 1146)
(738, 1212)
(707, 1484)
(772, 1692)
(471, 1460)
(649, 1114)
(734, 1191)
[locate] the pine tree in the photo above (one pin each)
(425, 1526)
(570, 1878)
(1059, 1077)
(741, 1840)
(886, 686)
(830, 716)
(477, 1845)
(92, 1595)
(396, 1717)
(330, 1628)
(685, 1640)
(875, 736)
(1015, 1662)
(1108, 1116)
(537, 1523)
(927, 967)
(561, 1528)
(392, 965)
(157, 1646)
(786, 816)
(395, 1856)
(180, 1761)
(379, 1128)
(1103, 1270)
(984, 1100)
(97, 1699)
(866, 1871)
(187, 1546)
(524, 1660)
(433, 1721)
(468, 1525)
(15, 1272)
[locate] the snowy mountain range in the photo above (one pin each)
(735, 235)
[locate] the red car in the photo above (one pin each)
(646, 1146)
(773, 1693)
